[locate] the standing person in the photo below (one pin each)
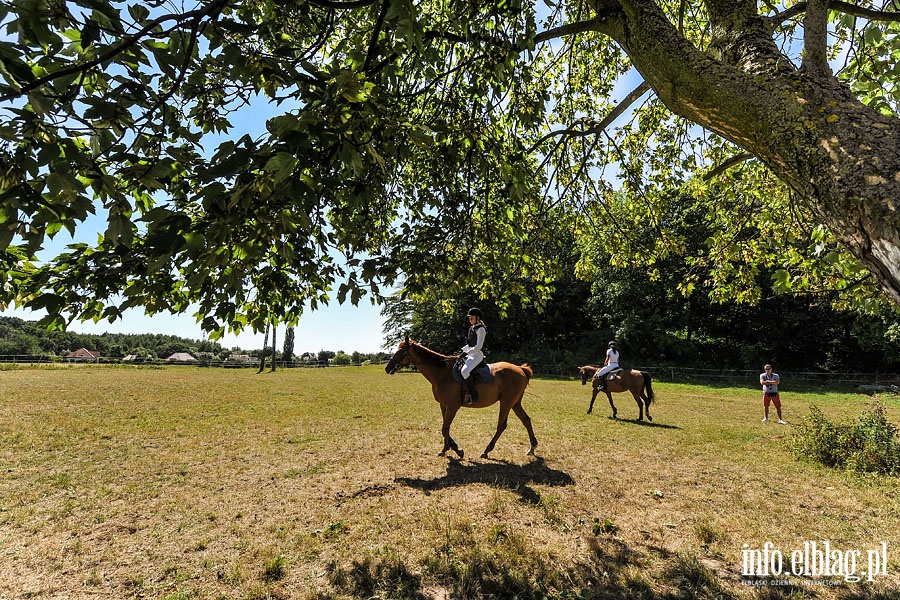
(769, 382)
(611, 362)
(473, 351)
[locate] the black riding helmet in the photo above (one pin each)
(613, 345)
(474, 312)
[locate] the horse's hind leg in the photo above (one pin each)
(501, 426)
(647, 407)
(526, 421)
(640, 404)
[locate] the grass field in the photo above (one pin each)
(183, 483)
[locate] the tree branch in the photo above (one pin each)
(835, 5)
(859, 11)
(815, 39)
(734, 160)
(128, 41)
(569, 29)
(351, 4)
(598, 127)
(379, 23)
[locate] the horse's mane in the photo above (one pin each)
(430, 355)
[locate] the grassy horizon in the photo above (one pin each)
(181, 483)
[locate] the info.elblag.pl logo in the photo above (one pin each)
(815, 560)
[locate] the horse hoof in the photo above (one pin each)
(484, 455)
(459, 453)
(649, 418)
(444, 453)
(530, 452)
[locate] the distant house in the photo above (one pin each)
(136, 358)
(241, 358)
(181, 357)
(83, 355)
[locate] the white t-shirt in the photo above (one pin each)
(773, 378)
(613, 356)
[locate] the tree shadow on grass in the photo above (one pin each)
(610, 569)
(497, 473)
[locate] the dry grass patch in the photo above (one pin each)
(314, 484)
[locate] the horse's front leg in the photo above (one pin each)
(449, 413)
(593, 397)
(611, 405)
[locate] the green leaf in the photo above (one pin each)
(282, 166)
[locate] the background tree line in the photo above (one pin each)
(652, 287)
(28, 338)
(21, 337)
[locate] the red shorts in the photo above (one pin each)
(776, 400)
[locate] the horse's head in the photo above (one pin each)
(586, 373)
(400, 358)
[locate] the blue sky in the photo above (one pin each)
(334, 327)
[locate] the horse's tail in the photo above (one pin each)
(528, 371)
(648, 386)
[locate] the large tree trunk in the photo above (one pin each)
(274, 331)
(262, 355)
(841, 157)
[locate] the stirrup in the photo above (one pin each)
(470, 396)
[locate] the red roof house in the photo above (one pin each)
(83, 355)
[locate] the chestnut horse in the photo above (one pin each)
(626, 380)
(507, 387)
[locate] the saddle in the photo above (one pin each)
(609, 376)
(480, 374)
(614, 373)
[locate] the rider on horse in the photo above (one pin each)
(610, 364)
(473, 352)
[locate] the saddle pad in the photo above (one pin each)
(614, 373)
(483, 373)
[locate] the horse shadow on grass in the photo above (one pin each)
(497, 473)
(645, 423)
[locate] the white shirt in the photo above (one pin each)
(613, 356)
(774, 379)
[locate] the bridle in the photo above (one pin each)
(400, 359)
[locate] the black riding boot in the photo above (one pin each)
(472, 396)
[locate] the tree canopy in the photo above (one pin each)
(434, 145)
(645, 311)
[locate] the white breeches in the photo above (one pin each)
(473, 359)
(606, 370)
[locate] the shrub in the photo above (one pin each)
(868, 445)
(342, 360)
